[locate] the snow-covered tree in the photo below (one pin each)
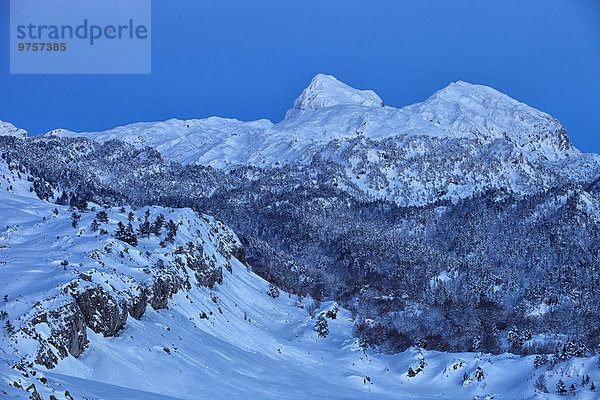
(126, 234)
(171, 231)
(145, 228)
(540, 383)
(561, 389)
(321, 327)
(75, 217)
(102, 216)
(158, 224)
(273, 291)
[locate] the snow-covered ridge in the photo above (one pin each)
(463, 140)
(483, 113)
(92, 278)
(8, 129)
(198, 141)
(331, 110)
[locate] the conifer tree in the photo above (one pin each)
(158, 224)
(321, 327)
(145, 228)
(561, 388)
(126, 234)
(171, 231)
(75, 219)
(82, 205)
(273, 291)
(102, 216)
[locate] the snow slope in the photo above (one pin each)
(215, 340)
(201, 141)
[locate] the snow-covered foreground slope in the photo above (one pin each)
(276, 355)
(117, 323)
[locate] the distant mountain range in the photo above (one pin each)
(463, 140)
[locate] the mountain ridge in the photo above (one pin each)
(463, 140)
(329, 109)
(8, 129)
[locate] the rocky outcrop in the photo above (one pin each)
(239, 252)
(102, 313)
(206, 270)
(67, 333)
(137, 305)
(110, 280)
(210, 277)
(73, 335)
(161, 292)
(46, 357)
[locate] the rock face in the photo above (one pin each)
(210, 277)
(161, 292)
(137, 307)
(67, 332)
(102, 313)
(239, 252)
(74, 337)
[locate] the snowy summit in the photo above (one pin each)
(326, 91)
(402, 151)
(8, 129)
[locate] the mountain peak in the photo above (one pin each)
(485, 113)
(466, 93)
(326, 91)
(8, 129)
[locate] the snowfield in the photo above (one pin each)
(219, 341)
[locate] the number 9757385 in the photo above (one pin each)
(42, 47)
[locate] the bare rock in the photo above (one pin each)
(102, 313)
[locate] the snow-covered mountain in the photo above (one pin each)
(458, 227)
(8, 129)
(326, 91)
(414, 155)
(329, 109)
(88, 314)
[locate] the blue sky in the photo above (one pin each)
(250, 59)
